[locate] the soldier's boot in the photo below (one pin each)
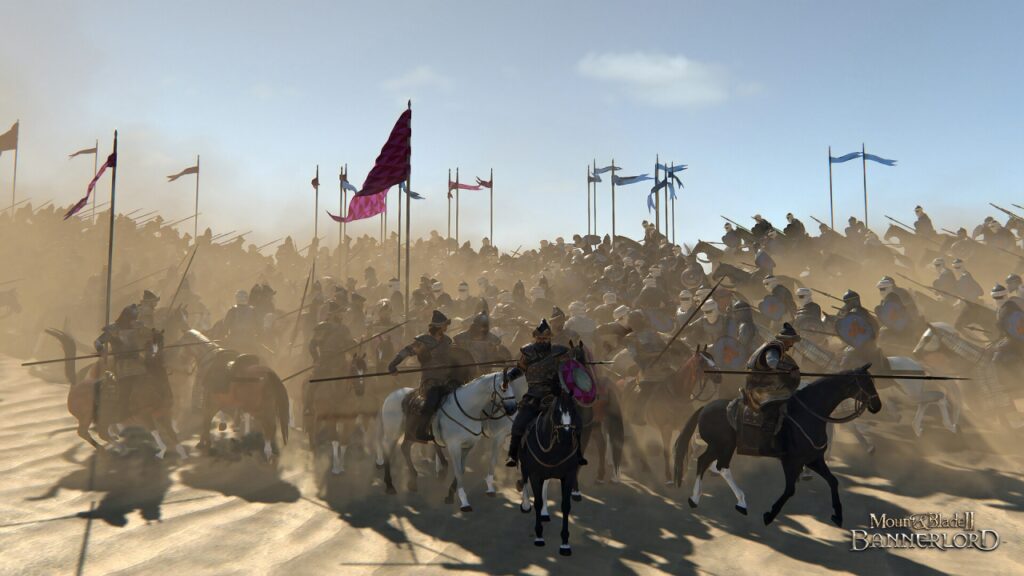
(423, 432)
(513, 451)
(579, 454)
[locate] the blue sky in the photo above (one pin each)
(749, 94)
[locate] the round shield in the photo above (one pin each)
(893, 315)
(692, 277)
(728, 353)
(772, 307)
(575, 378)
(854, 330)
(1013, 324)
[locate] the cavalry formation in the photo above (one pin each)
(724, 339)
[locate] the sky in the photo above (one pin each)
(749, 95)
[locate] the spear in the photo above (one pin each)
(18, 203)
(87, 356)
(41, 206)
(143, 215)
(11, 281)
(828, 374)
(1005, 211)
(137, 280)
(183, 276)
(349, 349)
(302, 304)
(221, 235)
(944, 293)
(233, 238)
(687, 323)
(412, 371)
(180, 220)
(1017, 206)
(736, 224)
(262, 246)
(823, 293)
(822, 223)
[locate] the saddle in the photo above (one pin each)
(757, 431)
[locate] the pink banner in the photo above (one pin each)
(111, 161)
(361, 207)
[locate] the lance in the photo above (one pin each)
(141, 216)
(913, 231)
(898, 376)
(944, 293)
(146, 220)
(304, 248)
(137, 280)
(18, 203)
(180, 220)
(233, 238)
(11, 281)
(302, 304)
(346, 350)
(687, 323)
(823, 293)
(183, 276)
(736, 224)
(221, 235)
(262, 246)
(412, 371)
(41, 206)
(822, 223)
(88, 356)
(287, 314)
(1017, 206)
(1005, 211)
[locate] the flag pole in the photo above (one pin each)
(95, 167)
(195, 213)
(657, 198)
(831, 206)
(666, 205)
(399, 229)
(341, 232)
(613, 201)
(864, 160)
(316, 206)
(457, 209)
(588, 200)
(408, 219)
(344, 224)
(448, 242)
(110, 236)
(673, 209)
(14, 181)
(595, 197)
(492, 206)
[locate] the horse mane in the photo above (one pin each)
(826, 382)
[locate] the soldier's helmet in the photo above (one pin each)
(851, 298)
(788, 333)
(481, 321)
(150, 297)
(129, 314)
(542, 329)
(637, 321)
(438, 319)
(241, 297)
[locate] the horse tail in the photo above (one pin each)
(613, 419)
(280, 401)
(70, 348)
(682, 447)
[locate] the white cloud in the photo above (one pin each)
(670, 81)
(417, 79)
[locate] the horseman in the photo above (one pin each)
(966, 286)
(808, 315)
(330, 338)
(579, 322)
(539, 362)
(481, 343)
(242, 325)
(644, 345)
(859, 333)
(132, 345)
(559, 333)
(944, 281)
(794, 228)
(781, 294)
(1010, 321)
(710, 327)
(774, 376)
(741, 326)
(898, 314)
(609, 336)
(761, 227)
(433, 352)
(731, 239)
(923, 225)
(147, 309)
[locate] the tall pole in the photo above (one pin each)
(398, 260)
(14, 181)
(341, 230)
(316, 207)
(666, 205)
(657, 198)
(492, 206)
(408, 219)
(613, 201)
(344, 224)
(673, 209)
(588, 200)
(110, 236)
(831, 206)
(448, 241)
(595, 197)
(95, 167)
(864, 160)
(195, 213)
(457, 209)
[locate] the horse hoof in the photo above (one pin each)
(491, 494)
(838, 520)
(741, 509)
(691, 502)
(538, 542)
(545, 518)
(767, 518)
(379, 466)
(577, 497)
(390, 490)
(565, 550)
(466, 509)
(525, 510)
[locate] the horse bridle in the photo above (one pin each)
(497, 400)
(862, 398)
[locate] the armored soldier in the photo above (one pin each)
(781, 293)
(902, 323)
(609, 336)
(741, 326)
(761, 227)
(130, 342)
(432, 350)
(923, 225)
(867, 351)
(966, 286)
(945, 281)
(773, 378)
(710, 327)
(731, 239)
(1010, 345)
(481, 343)
(808, 314)
(539, 362)
(147, 309)
(242, 325)
(644, 345)
(559, 333)
(579, 322)
(794, 228)
(330, 338)
(602, 313)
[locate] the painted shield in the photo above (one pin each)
(692, 278)
(1013, 324)
(772, 307)
(728, 353)
(578, 381)
(854, 330)
(893, 315)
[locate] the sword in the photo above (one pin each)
(411, 371)
(87, 356)
(823, 293)
(897, 376)
(687, 323)
(353, 347)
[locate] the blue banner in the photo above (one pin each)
(412, 194)
(606, 168)
(627, 180)
(349, 186)
(671, 169)
(593, 178)
(844, 158)
(879, 159)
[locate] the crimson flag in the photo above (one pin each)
(110, 163)
(485, 183)
(9, 139)
(391, 168)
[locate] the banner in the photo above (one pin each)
(111, 162)
(844, 158)
(83, 151)
(186, 171)
(606, 168)
(879, 159)
(627, 180)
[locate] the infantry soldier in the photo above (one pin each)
(432, 350)
(539, 362)
(773, 378)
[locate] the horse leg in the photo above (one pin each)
(539, 487)
(703, 461)
(525, 505)
(666, 438)
(791, 469)
(602, 452)
(565, 549)
(161, 447)
(339, 444)
(918, 423)
(407, 454)
(947, 419)
(821, 468)
(741, 498)
(545, 516)
(458, 470)
(496, 442)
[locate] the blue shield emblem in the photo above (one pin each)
(854, 330)
(893, 315)
(728, 353)
(1013, 324)
(772, 307)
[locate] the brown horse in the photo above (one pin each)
(92, 400)
(671, 400)
(231, 382)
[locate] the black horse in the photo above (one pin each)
(550, 450)
(802, 436)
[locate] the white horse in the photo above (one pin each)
(480, 409)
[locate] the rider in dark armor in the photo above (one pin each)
(808, 314)
(330, 338)
(481, 343)
(241, 325)
(559, 333)
(899, 299)
(540, 362)
(129, 341)
(923, 225)
(432, 351)
(773, 379)
(761, 227)
(731, 239)
(1009, 347)
(644, 345)
(868, 352)
(795, 228)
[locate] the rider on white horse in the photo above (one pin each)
(540, 362)
(432, 351)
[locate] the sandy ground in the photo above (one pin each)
(206, 516)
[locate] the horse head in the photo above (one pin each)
(930, 342)
(866, 388)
